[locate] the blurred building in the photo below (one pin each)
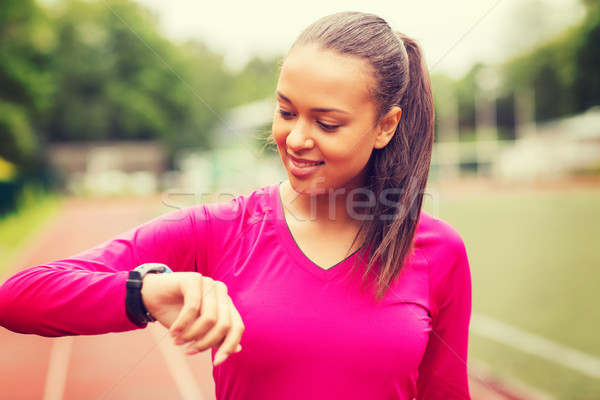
(109, 168)
(240, 161)
(556, 148)
(552, 149)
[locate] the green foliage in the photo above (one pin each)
(17, 140)
(562, 72)
(550, 70)
(26, 85)
(258, 80)
(87, 70)
(26, 40)
(35, 209)
(587, 81)
(119, 78)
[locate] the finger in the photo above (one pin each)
(191, 290)
(208, 331)
(231, 344)
(208, 314)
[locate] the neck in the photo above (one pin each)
(332, 207)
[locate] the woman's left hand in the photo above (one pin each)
(197, 310)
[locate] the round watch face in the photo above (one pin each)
(152, 268)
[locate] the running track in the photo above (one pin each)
(139, 364)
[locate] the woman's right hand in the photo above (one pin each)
(197, 311)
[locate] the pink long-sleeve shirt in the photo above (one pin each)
(310, 333)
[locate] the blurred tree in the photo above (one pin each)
(586, 85)
(256, 81)
(26, 41)
(204, 92)
(465, 90)
(79, 70)
(564, 71)
(118, 78)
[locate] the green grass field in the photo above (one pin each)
(535, 262)
(17, 228)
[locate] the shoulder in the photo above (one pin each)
(445, 254)
(437, 236)
(224, 214)
(253, 205)
(229, 216)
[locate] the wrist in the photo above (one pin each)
(148, 293)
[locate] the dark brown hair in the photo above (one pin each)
(398, 172)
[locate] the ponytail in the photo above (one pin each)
(400, 170)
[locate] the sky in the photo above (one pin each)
(454, 34)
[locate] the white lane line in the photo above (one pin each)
(537, 345)
(176, 363)
(58, 368)
(511, 385)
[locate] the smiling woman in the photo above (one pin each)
(325, 126)
(345, 288)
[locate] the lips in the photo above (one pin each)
(305, 163)
(303, 168)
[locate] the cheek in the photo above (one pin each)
(356, 149)
(279, 133)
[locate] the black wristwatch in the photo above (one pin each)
(134, 306)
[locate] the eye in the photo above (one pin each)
(327, 127)
(286, 114)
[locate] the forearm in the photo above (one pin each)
(85, 294)
(55, 300)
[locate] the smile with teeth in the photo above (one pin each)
(306, 164)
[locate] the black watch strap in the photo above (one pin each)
(134, 305)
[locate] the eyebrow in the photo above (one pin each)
(316, 109)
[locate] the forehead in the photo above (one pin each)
(325, 78)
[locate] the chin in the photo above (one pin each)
(308, 187)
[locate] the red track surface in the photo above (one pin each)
(134, 365)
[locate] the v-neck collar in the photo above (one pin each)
(285, 235)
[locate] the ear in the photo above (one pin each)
(387, 127)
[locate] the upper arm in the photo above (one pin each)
(443, 370)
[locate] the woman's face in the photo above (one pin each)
(325, 123)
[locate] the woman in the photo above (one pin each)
(345, 289)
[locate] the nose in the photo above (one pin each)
(299, 138)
